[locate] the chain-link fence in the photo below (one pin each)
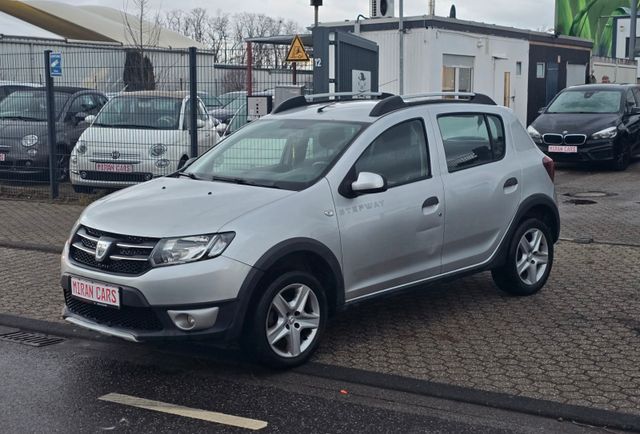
(78, 119)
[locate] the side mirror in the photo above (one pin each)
(89, 119)
(200, 123)
(221, 129)
(80, 116)
(541, 110)
(368, 182)
(188, 163)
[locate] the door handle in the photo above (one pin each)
(511, 182)
(432, 201)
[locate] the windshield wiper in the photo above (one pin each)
(189, 175)
(242, 181)
(133, 126)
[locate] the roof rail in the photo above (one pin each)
(398, 102)
(304, 100)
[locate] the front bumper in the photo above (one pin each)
(592, 150)
(20, 162)
(147, 300)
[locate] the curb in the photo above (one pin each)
(502, 401)
(32, 247)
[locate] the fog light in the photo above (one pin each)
(32, 152)
(192, 320)
(83, 175)
(74, 160)
(184, 321)
(162, 163)
(27, 163)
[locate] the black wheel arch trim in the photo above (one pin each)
(527, 205)
(267, 260)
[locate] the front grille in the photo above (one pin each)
(116, 177)
(121, 156)
(127, 317)
(575, 139)
(552, 139)
(127, 255)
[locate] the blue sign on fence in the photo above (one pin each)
(55, 64)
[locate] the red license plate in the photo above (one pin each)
(564, 149)
(3, 157)
(98, 293)
(112, 167)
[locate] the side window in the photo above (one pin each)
(631, 100)
(83, 103)
(100, 101)
(471, 139)
(399, 154)
(636, 93)
(202, 113)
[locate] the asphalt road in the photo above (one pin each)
(62, 387)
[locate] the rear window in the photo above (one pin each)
(471, 139)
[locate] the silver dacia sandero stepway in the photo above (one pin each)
(321, 204)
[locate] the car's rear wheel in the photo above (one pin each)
(529, 260)
(288, 320)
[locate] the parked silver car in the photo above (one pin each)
(308, 210)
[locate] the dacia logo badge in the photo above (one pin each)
(115, 155)
(102, 249)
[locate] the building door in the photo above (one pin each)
(552, 82)
(507, 89)
(576, 74)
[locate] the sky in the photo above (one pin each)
(528, 14)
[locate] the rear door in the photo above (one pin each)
(481, 186)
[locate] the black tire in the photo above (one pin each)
(255, 339)
(622, 160)
(62, 163)
(507, 277)
(82, 189)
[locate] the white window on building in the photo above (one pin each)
(518, 68)
(457, 73)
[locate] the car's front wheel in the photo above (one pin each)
(529, 260)
(623, 159)
(288, 320)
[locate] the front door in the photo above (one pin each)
(394, 237)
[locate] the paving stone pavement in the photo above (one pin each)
(576, 342)
(614, 218)
(40, 223)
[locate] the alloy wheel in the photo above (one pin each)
(293, 320)
(532, 256)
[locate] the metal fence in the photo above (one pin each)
(84, 120)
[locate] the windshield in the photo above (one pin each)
(145, 112)
(229, 97)
(210, 101)
(290, 154)
(30, 105)
(587, 101)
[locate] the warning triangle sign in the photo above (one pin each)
(297, 53)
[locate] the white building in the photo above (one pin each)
(445, 54)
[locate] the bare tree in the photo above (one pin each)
(218, 35)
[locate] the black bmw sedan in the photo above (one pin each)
(597, 122)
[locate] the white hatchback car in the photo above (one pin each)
(138, 136)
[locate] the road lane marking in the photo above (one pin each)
(193, 413)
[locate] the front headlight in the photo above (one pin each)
(81, 147)
(30, 140)
(607, 133)
(534, 134)
(157, 150)
(172, 251)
